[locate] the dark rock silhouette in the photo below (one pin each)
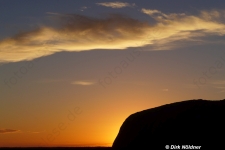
(192, 123)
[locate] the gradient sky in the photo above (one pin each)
(72, 71)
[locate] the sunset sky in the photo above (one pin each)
(72, 71)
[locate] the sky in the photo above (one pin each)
(72, 71)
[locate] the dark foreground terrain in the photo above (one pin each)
(191, 124)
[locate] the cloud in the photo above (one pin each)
(85, 83)
(77, 33)
(83, 8)
(223, 91)
(158, 15)
(5, 131)
(219, 85)
(82, 33)
(180, 26)
(218, 82)
(115, 4)
(150, 11)
(190, 86)
(165, 90)
(53, 13)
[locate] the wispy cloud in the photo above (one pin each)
(83, 8)
(34, 132)
(5, 131)
(81, 33)
(151, 11)
(165, 90)
(158, 15)
(189, 86)
(115, 4)
(221, 89)
(180, 26)
(219, 85)
(85, 83)
(53, 13)
(218, 82)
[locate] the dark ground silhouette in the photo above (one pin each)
(191, 123)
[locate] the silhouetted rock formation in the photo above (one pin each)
(192, 122)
